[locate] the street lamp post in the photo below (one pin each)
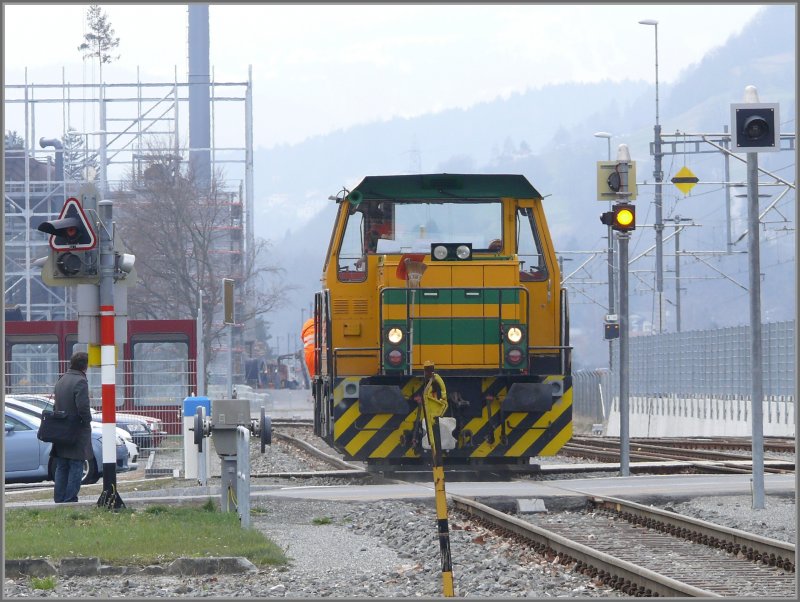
(607, 136)
(659, 177)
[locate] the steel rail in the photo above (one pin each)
(631, 578)
(317, 453)
(756, 547)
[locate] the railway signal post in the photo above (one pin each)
(755, 128)
(83, 253)
(622, 219)
(109, 497)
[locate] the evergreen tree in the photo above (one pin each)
(100, 41)
(76, 157)
(13, 141)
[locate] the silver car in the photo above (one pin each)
(27, 459)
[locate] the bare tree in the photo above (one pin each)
(182, 238)
(100, 41)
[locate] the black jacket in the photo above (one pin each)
(72, 397)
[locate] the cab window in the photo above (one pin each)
(532, 266)
(352, 266)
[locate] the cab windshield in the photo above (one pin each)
(386, 227)
(412, 227)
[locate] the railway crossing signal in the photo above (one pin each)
(755, 127)
(72, 230)
(621, 218)
(73, 256)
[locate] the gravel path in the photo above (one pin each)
(390, 549)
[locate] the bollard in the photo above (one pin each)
(243, 475)
(443, 528)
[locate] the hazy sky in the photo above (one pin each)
(319, 68)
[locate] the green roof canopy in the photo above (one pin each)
(446, 186)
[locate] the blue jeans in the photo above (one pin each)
(68, 476)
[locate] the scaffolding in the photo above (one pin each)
(125, 119)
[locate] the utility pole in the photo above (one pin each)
(678, 219)
(727, 160)
(658, 174)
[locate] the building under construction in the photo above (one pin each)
(50, 161)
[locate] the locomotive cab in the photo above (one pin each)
(458, 270)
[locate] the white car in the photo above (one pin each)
(133, 449)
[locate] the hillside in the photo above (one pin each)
(547, 135)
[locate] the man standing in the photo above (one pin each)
(72, 397)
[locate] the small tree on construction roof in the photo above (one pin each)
(77, 157)
(100, 41)
(13, 141)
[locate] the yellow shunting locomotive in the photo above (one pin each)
(454, 269)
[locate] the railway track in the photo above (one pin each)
(644, 551)
(640, 550)
(339, 467)
(685, 450)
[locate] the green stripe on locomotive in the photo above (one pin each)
(452, 331)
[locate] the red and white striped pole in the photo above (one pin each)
(109, 498)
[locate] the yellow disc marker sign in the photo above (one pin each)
(685, 180)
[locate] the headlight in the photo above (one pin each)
(440, 252)
(120, 441)
(395, 335)
(135, 427)
(514, 334)
(462, 252)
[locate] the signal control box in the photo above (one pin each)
(230, 413)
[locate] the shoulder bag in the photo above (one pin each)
(57, 427)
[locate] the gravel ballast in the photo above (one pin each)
(390, 549)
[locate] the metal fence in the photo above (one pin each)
(713, 363)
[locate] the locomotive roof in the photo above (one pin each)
(446, 186)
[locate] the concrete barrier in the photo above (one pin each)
(698, 416)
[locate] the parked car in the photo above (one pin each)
(45, 403)
(135, 427)
(27, 459)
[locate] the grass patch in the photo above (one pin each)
(95, 489)
(154, 535)
(48, 582)
(322, 520)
